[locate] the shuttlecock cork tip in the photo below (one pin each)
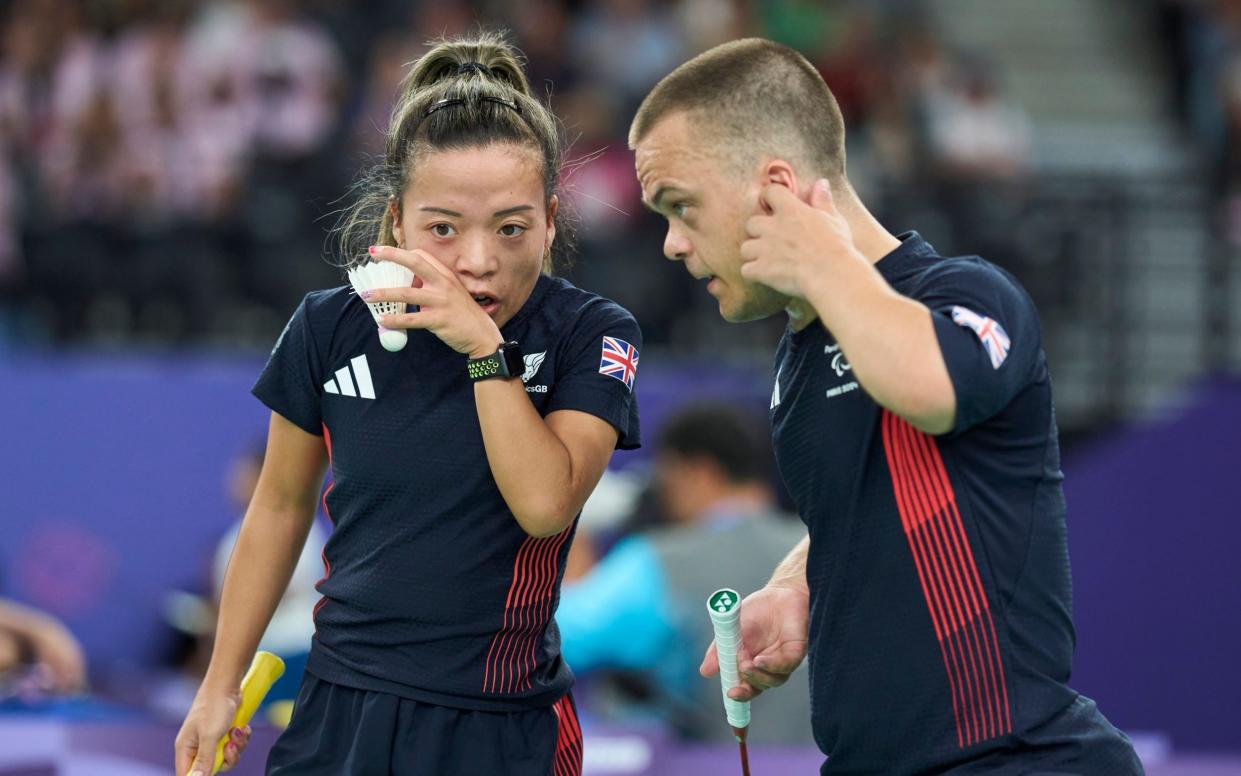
(392, 339)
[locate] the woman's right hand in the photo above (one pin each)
(210, 718)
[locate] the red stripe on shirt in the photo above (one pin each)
(957, 550)
(961, 630)
(537, 589)
(964, 630)
(327, 566)
(510, 658)
(898, 466)
(971, 632)
(541, 609)
(516, 613)
(951, 585)
(962, 542)
(489, 672)
(535, 603)
(545, 577)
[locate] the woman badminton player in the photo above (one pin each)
(459, 460)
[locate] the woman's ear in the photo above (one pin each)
(395, 211)
(553, 205)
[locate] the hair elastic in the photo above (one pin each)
(449, 102)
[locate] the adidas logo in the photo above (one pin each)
(343, 383)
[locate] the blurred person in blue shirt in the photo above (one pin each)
(640, 611)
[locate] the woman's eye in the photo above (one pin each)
(512, 230)
(679, 209)
(443, 230)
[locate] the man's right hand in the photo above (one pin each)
(774, 624)
(210, 718)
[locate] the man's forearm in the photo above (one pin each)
(791, 572)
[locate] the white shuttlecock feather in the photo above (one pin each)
(384, 274)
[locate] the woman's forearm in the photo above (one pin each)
(530, 464)
(267, 549)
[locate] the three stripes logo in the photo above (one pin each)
(356, 383)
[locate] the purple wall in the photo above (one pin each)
(113, 474)
(1155, 536)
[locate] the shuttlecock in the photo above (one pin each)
(384, 274)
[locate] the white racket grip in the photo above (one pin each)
(724, 607)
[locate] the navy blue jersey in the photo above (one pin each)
(940, 623)
(433, 591)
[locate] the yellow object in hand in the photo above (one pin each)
(265, 669)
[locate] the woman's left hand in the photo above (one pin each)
(445, 308)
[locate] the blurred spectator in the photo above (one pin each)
(978, 146)
(625, 46)
(166, 166)
(389, 54)
(29, 638)
(542, 30)
(641, 609)
(976, 135)
(599, 178)
(801, 24)
(290, 76)
(708, 23)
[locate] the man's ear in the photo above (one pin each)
(777, 172)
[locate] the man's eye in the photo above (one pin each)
(679, 209)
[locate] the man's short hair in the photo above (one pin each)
(723, 434)
(756, 97)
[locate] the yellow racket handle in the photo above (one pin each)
(265, 669)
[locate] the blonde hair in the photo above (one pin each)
(462, 93)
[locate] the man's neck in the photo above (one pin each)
(870, 239)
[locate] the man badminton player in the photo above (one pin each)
(460, 458)
(913, 423)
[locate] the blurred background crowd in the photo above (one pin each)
(170, 171)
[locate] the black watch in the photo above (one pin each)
(507, 361)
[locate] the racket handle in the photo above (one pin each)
(265, 669)
(724, 607)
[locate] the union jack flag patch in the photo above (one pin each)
(620, 360)
(994, 339)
